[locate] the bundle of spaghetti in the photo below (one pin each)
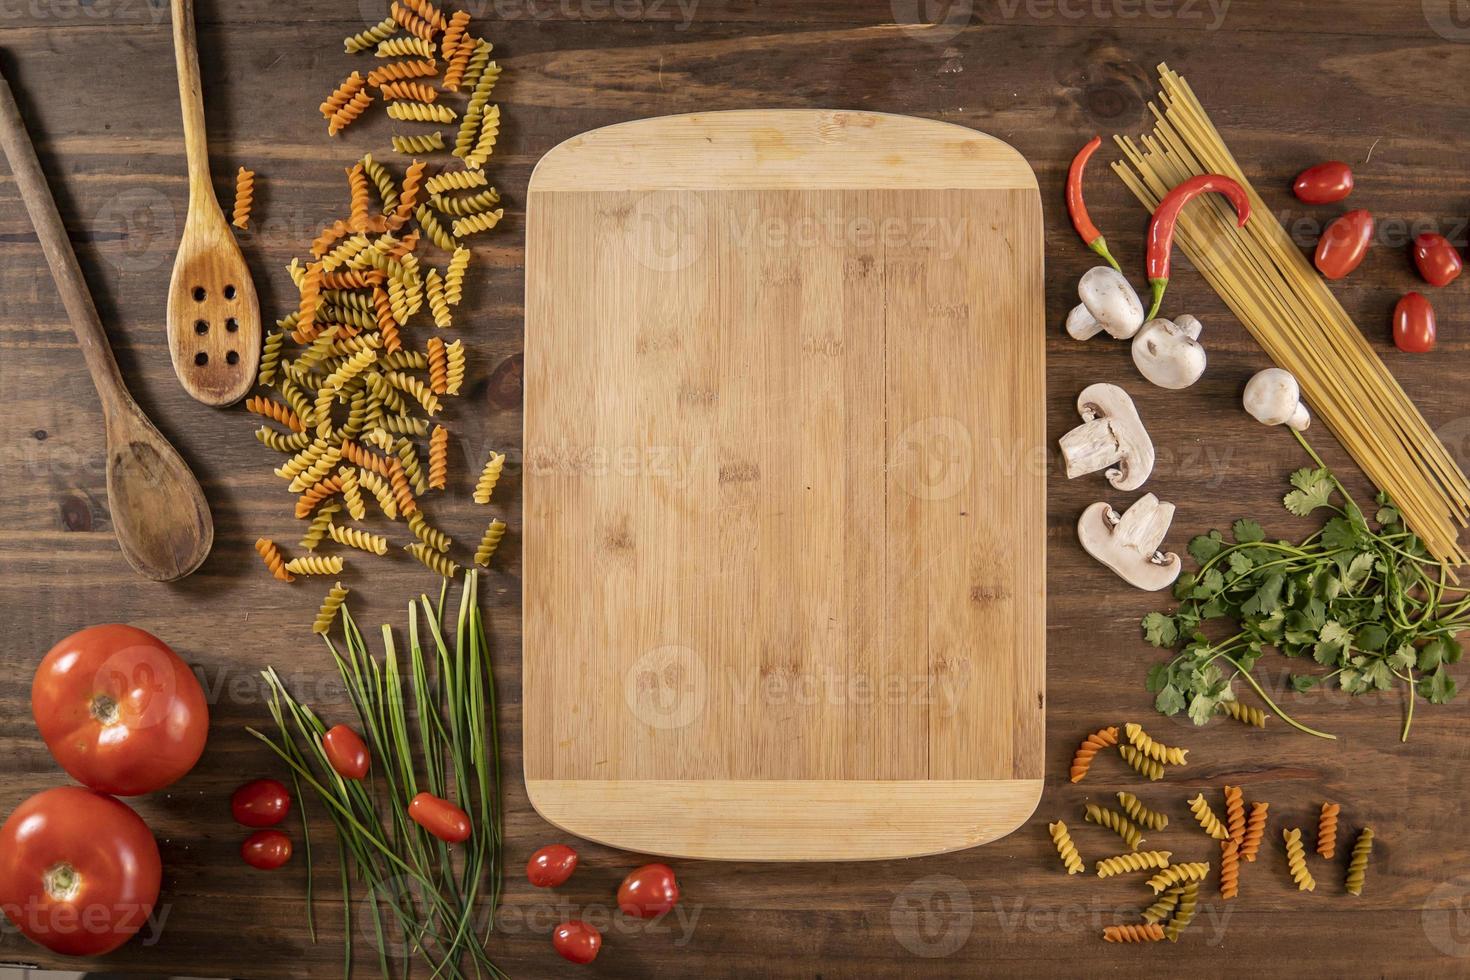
(1288, 308)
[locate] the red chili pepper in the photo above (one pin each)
(1077, 207)
(1166, 220)
(440, 817)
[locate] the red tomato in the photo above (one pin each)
(1414, 328)
(266, 850)
(263, 803)
(1326, 183)
(649, 891)
(577, 941)
(119, 710)
(440, 817)
(1439, 262)
(347, 752)
(1344, 244)
(79, 871)
(552, 865)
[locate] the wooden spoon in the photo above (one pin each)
(158, 512)
(213, 314)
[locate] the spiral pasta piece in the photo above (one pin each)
(458, 64)
(485, 139)
(1157, 751)
(1208, 822)
(354, 537)
(348, 114)
(1229, 869)
(315, 565)
(454, 274)
(1136, 861)
(428, 534)
(1140, 814)
(1184, 913)
(273, 559)
(411, 145)
(466, 206)
(438, 365)
(431, 14)
(479, 63)
(413, 183)
(1255, 829)
(455, 180)
(1151, 768)
(412, 23)
(360, 457)
(321, 523)
(1081, 760)
(280, 441)
(1296, 861)
(397, 71)
(1149, 932)
(489, 542)
(405, 47)
(432, 559)
(350, 369)
(406, 360)
(402, 493)
(352, 493)
(405, 425)
(1358, 866)
(1244, 714)
(438, 458)
(416, 388)
(434, 229)
(1179, 874)
(454, 354)
(409, 458)
(421, 112)
(244, 197)
(327, 614)
(379, 32)
(330, 235)
(317, 471)
(308, 501)
(1116, 822)
(342, 95)
(476, 223)
(1164, 906)
(409, 92)
(1327, 830)
(274, 411)
(485, 488)
(1066, 850)
(1235, 813)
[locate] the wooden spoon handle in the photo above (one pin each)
(59, 255)
(191, 96)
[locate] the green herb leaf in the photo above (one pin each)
(1267, 598)
(1248, 532)
(1160, 630)
(1438, 687)
(1206, 546)
(1313, 489)
(1169, 701)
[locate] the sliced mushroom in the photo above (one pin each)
(1129, 543)
(1168, 353)
(1111, 437)
(1273, 397)
(1111, 301)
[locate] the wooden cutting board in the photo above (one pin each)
(785, 522)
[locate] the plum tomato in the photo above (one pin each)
(347, 752)
(577, 941)
(1437, 260)
(648, 891)
(440, 817)
(1344, 244)
(1414, 327)
(551, 865)
(1326, 183)
(266, 850)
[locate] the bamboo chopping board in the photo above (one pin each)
(784, 486)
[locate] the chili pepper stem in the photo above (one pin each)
(1100, 246)
(1157, 287)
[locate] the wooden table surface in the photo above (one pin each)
(1378, 83)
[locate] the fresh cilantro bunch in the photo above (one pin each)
(1362, 600)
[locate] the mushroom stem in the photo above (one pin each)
(1300, 419)
(1090, 447)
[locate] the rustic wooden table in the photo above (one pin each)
(1379, 83)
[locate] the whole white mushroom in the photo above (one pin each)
(1109, 302)
(1273, 397)
(1168, 352)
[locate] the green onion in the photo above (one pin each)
(427, 724)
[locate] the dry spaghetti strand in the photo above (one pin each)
(1274, 291)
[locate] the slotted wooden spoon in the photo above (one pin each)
(158, 512)
(213, 314)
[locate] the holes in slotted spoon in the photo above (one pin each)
(229, 292)
(232, 324)
(199, 294)
(232, 357)
(201, 326)
(201, 358)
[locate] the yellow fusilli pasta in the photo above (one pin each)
(1358, 866)
(1137, 861)
(433, 560)
(1066, 850)
(1208, 822)
(454, 355)
(363, 40)
(327, 614)
(1151, 768)
(1115, 822)
(406, 47)
(1164, 905)
(315, 565)
(1184, 913)
(485, 488)
(421, 112)
(321, 523)
(356, 537)
(410, 145)
(1140, 814)
(454, 275)
(1296, 861)
(1157, 751)
(438, 458)
(455, 180)
(475, 223)
(438, 304)
(489, 542)
(1244, 714)
(1178, 874)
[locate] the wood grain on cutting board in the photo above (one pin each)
(784, 486)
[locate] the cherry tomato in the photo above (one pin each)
(552, 865)
(263, 803)
(1439, 262)
(648, 891)
(1326, 183)
(266, 850)
(440, 817)
(577, 941)
(1414, 328)
(347, 752)
(119, 710)
(79, 871)
(1344, 244)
